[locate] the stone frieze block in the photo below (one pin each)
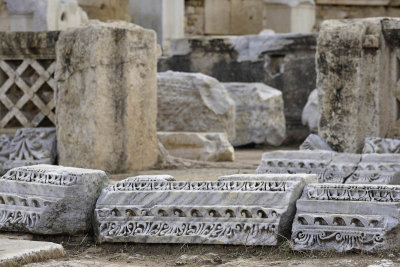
(347, 217)
(238, 210)
(47, 199)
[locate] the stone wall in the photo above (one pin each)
(105, 10)
(194, 17)
(27, 63)
(283, 61)
(349, 9)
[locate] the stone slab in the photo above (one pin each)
(197, 146)
(18, 252)
(48, 199)
(237, 210)
(347, 217)
(381, 145)
(332, 167)
(259, 114)
(194, 102)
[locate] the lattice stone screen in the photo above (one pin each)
(27, 85)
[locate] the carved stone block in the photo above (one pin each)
(381, 145)
(335, 167)
(239, 209)
(315, 142)
(347, 217)
(29, 146)
(46, 199)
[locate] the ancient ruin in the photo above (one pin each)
(238, 209)
(119, 100)
(347, 217)
(48, 199)
(260, 127)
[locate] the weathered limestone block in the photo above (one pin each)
(259, 114)
(309, 117)
(198, 146)
(219, 212)
(381, 145)
(48, 199)
(29, 146)
(194, 102)
(44, 15)
(283, 61)
(107, 97)
(332, 167)
(347, 217)
(357, 81)
(314, 142)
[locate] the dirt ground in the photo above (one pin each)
(83, 251)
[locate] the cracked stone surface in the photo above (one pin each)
(332, 167)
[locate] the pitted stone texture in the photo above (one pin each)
(107, 73)
(198, 146)
(347, 217)
(47, 199)
(219, 212)
(194, 102)
(29, 146)
(259, 114)
(381, 145)
(315, 142)
(332, 167)
(309, 116)
(357, 89)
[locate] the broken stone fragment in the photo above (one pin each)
(314, 142)
(29, 146)
(309, 116)
(194, 102)
(381, 145)
(347, 217)
(48, 199)
(218, 212)
(198, 146)
(259, 114)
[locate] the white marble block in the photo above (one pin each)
(259, 114)
(347, 217)
(29, 146)
(48, 199)
(315, 142)
(197, 146)
(194, 102)
(332, 167)
(239, 209)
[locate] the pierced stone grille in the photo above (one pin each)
(27, 93)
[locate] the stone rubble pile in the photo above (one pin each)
(237, 209)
